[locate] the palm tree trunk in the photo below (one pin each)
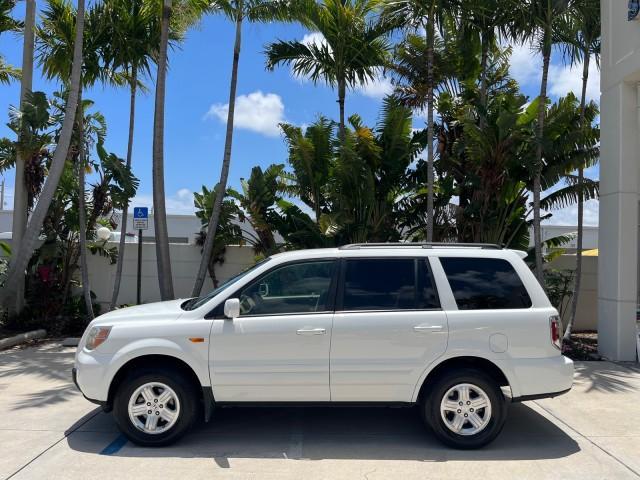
(484, 59)
(82, 212)
(125, 208)
(163, 258)
(579, 240)
(430, 47)
(537, 230)
(22, 254)
(21, 196)
(221, 188)
(342, 91)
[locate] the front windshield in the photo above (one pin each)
(197, 302)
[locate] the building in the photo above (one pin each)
(619, 179)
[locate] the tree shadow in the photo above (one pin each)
(319, 433)
(48, 363)
(607, 377)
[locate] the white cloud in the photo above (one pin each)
(525, 64)
(180, 203)
(314, 38)
(257, 111)
(564, 79)
(569, 215)
(379, 87)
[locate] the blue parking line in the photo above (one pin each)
(115, 446)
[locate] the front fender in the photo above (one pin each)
(161, 346)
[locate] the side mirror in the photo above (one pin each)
(232, 308)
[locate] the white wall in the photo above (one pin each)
(6, 220)
(185, 260)
(589, 241)
(178, 226)
(587, 314)
(619, 183)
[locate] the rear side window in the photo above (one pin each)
(388, 284)
(485, 283)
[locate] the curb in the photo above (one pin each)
(22, 338)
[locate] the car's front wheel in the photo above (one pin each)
(155, 408)
(465, 409)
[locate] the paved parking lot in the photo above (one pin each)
(48, 430)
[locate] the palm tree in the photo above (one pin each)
(483, 21)
(20, 200)
(163, 258)
(236, 11)
(257, 199)
(539, 23)
(353, 49)
(585, 43)
(9, 24)
(22, 254)
(55, 45)
(414, 15)
(229, 231)
(134, 41)
(174, 19)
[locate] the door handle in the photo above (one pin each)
(427, 328)
(311, 331)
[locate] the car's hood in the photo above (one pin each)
(168, 310)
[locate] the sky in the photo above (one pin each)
(197, 101)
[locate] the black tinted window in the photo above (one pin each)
(293, 288)
(484, 283)
(388, 284)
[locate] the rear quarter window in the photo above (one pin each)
(485, 283)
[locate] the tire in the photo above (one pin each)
(141, 390)
(481, 425)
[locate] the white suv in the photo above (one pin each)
(460, 330)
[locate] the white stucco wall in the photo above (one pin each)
(619, 183)
(587, 314)
(185, 260)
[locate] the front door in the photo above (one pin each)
(278, 348)
(387, 328)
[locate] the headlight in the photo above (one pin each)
(97, 336)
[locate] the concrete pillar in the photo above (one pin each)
(618, 232)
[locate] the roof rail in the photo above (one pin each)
(357, 246)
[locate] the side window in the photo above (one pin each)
(388, 284)
(485, 283)
(294, 288)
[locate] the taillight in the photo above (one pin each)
(555, 326)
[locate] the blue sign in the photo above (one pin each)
(141, 212)
(140, 218)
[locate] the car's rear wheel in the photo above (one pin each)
(465, 409)
(155, 408)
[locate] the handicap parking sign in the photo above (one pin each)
(141, 218)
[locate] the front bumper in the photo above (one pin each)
(74, 376)
(91, 374)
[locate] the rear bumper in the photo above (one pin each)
(542, 377)
(538, 396)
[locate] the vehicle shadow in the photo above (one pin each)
(319, 433)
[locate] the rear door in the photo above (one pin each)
(387, 328)
(278, 348)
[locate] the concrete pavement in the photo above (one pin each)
(48, 431)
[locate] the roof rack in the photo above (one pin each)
(357, 246)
